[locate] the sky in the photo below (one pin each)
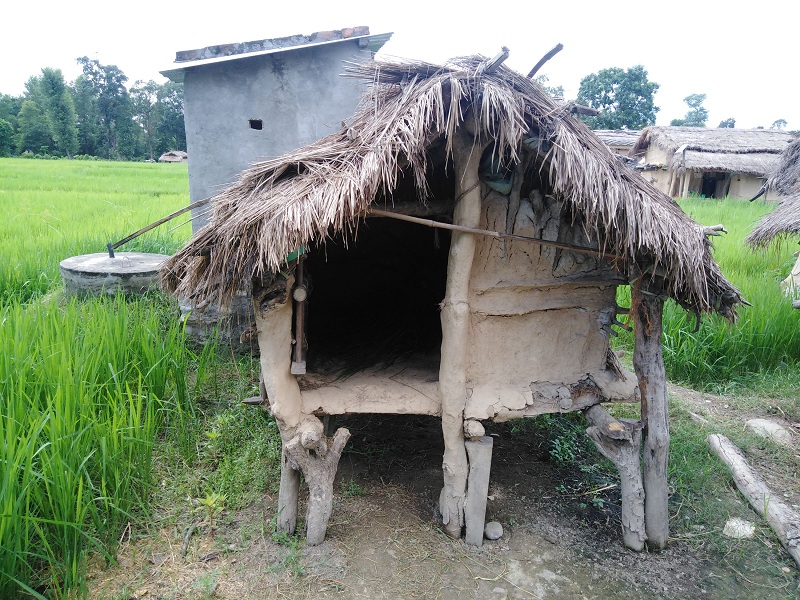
(743, 56)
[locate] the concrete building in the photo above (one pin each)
(256, 100)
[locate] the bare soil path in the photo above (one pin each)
(561, 539)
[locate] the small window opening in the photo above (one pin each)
(256, 124)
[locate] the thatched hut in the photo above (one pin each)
(619, 140)
(465, 236)
(715, 163)
(784, 221)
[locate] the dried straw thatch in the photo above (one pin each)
(327, 187)
(746, 151)
(620, 138)
(784, 220)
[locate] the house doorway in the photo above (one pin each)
(715, 184)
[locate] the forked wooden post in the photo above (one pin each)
(621, 443)
(648, 361)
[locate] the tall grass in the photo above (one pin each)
(85, 389)
(56, 208)
(765, 341)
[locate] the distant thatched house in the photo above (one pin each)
(715, 163)
(784, 221)
(174, 156)
(621, 141)
(465, 236)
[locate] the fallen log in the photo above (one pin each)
(785, 521)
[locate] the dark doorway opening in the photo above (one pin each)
(375, 295)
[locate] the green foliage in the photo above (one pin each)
(6, 138)
(59, 110)
(94, 116)
(778, 124)
(624, 97)
(106, 83)
(697, 114)
(34, 133)
(727, 123)
(554, 91)
(351, 489)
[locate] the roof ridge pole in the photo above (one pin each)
(455, 317)
(648, 362)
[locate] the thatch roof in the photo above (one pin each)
(618, 137)
(747, 151)
(327, 187)
(784, 221)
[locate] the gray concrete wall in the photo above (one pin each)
(298, 95)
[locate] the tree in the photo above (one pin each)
(144, 100)
(107, 85)
(554, 91)
(778, 124)
(6, 138)
(697, 114)
(727, 123)
(59, 110)
(88, 117)
(625, 98)
(171, 128)
(33, 130)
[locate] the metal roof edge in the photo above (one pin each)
(374, 42)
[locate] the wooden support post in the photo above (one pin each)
(318, 458)
(288, 494)
(620, 442)
(455, 318)
(648, 362)
(479, 451)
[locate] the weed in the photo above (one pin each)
(212, 504)
(351, 489)
(291, 559)
(206, 585)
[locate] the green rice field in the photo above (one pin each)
(92, 392)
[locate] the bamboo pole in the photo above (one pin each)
(496, 234)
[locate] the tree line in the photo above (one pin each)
(96, 115)
(625, 99)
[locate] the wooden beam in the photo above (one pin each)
(555, 50)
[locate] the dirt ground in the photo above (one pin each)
(561, 540)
